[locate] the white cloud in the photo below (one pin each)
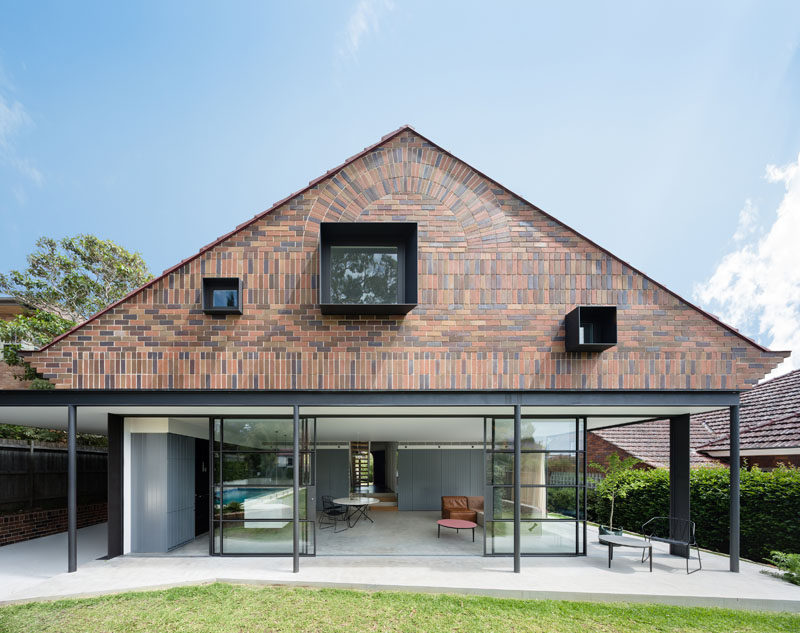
(756, 288)
(13, 120)
(364, 19)
(748, 221)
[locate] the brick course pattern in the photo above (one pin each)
(24, 526)
(496, 278)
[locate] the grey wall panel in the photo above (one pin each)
(427, 484)
(405, 479)
(180, 489)
(476, 472)
(333, 473)
(456, 472)
(148, 492)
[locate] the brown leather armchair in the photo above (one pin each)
(464, 508)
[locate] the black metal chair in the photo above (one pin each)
(674, 531)
(332, 513)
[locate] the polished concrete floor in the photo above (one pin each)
(34, 570)
(398, 533)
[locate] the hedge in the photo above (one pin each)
(770, 507)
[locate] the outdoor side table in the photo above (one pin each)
(626, 541)
(455, 524)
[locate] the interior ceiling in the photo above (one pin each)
(403, 424)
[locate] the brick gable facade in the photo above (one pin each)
(496, 278)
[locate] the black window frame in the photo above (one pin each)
(400, 235)
(210, 284)
(603, 322)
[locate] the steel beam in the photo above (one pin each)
(72, 489)
(296, 466)
(679, 506)
(517, 484)
(734, 489)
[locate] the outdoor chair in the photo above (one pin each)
(332, 513)
(674, 531)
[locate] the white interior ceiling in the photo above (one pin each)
(430, 423)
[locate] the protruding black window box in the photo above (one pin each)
(591, 328)
(368, 267)
(222, 295)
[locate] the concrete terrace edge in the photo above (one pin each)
(744, 604)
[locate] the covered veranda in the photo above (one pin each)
(104, 411)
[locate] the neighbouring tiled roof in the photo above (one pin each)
(781, 433)
(771, 400)
(769, 417)
(649, 442)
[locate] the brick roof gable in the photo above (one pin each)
(497, 276)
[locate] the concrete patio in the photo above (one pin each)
(34, 570)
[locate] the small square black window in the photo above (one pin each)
(222, 295)
(591, 329)
(368, 267)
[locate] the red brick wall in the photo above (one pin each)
(7, 380)
(27, 525)
(496, 277)
(598, 450)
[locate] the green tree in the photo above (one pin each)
(616, 484)
(66, 281)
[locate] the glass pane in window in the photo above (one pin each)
(364, 274)
(537, 434)
(536, 503)
(225, 298)
(259, 503)
(545, 537)
(260, 537)
(261, 434)
(260, 469)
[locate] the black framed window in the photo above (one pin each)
(553, 486)
(222, 295)
(368, 267)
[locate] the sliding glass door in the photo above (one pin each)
(552, 500)
(253, 489)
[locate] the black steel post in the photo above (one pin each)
(734, 491)
(296, 496)
(679, 507)
(517, 483)
(72, 489)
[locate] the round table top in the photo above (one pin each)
(457, 523)
(356, 501)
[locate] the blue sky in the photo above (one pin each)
(667, 132)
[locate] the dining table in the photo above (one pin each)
(357, 508)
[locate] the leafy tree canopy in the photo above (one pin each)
(66, 281)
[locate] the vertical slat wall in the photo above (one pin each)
(427, 474)
(149, 492)
(180, 489)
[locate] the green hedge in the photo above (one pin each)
(770, 510)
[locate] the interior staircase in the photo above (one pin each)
(359, 465)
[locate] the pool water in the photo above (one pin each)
(240, 494)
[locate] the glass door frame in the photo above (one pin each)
(307, 423)
(580, 485)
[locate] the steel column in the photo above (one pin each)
(72, 489)
(517, 483)
(296, 496)
(679, 506)
(734, 488)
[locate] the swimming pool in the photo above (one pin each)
(238, 495)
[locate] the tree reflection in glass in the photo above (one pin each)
(364, 274)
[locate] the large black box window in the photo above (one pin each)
(368, 267)
(591, 328)
(222, 295)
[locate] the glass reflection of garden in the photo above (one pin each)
(552, 486)
(253, 486)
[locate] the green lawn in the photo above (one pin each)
(221, 608)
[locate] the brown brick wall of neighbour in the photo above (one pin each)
(496, 278)
(598, 451)
(7, 379)
(27, 525)
(769, 461)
